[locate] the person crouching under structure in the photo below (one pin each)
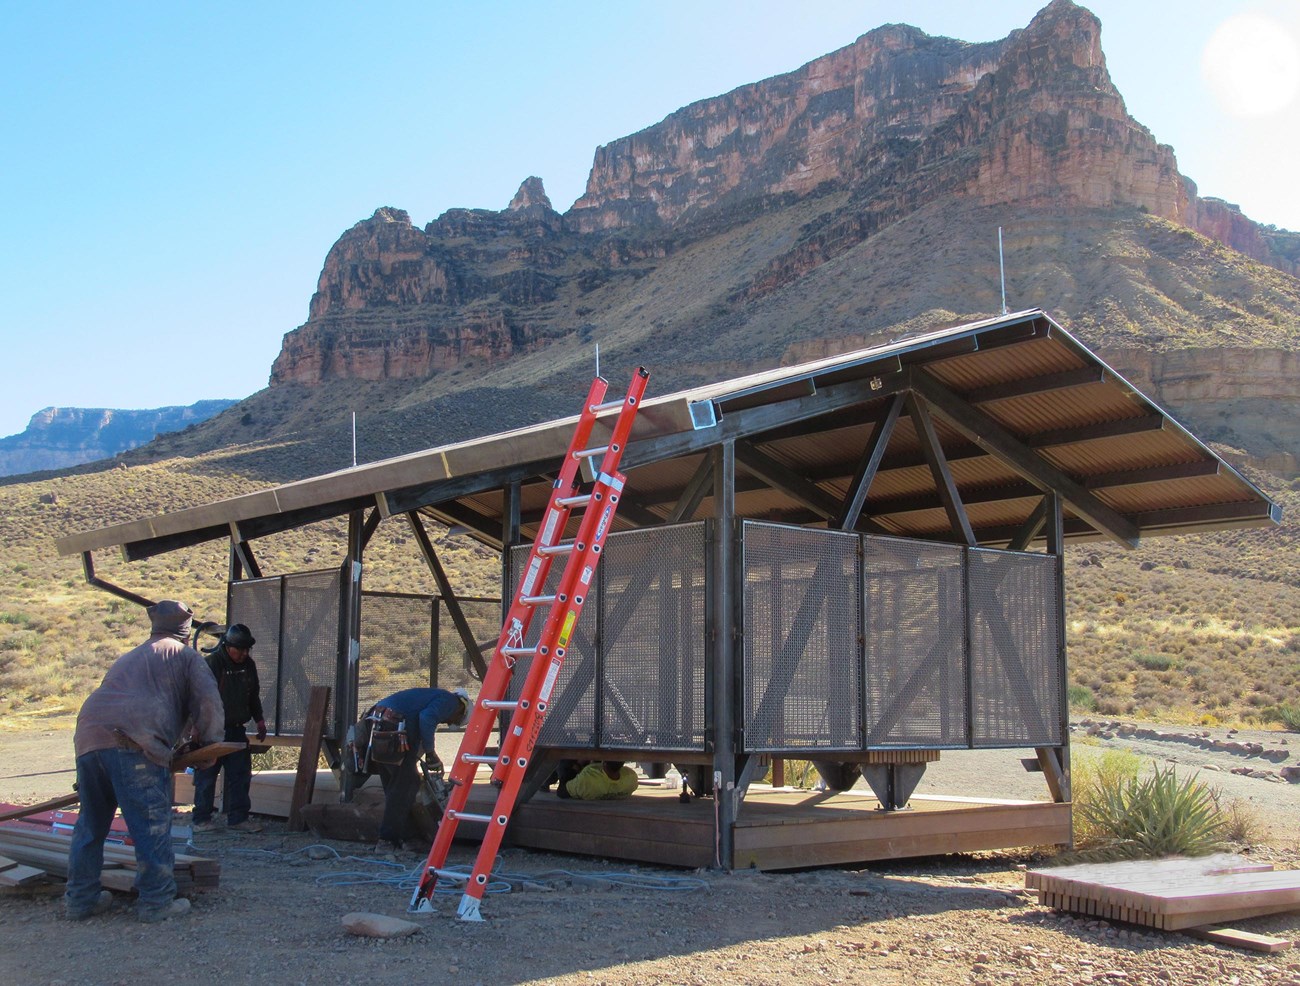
(389, 740)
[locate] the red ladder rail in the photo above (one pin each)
(598, 508)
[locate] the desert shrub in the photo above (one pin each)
(1151, 817)
(1154, 662)
(801, 774)
(1287, 713)
(1081, 698)
(1241, 824)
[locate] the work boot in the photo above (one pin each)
(101, 905)
(177, 908)
(247, 825)
(208, 825)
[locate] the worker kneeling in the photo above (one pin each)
(607, 781)
(388, 741)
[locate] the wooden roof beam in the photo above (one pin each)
(1154, 474)
(981, 429)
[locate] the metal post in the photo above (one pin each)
(1056, 547)
(349, 650)
(724, 630)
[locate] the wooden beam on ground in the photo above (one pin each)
(304, 785)
(1241, 939)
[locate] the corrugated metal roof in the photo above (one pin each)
(1017, 404)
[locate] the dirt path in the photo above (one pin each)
(944, 920)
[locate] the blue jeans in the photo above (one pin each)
(235, 800)
(107, 780)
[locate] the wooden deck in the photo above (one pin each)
(782, 828)
(775, 829)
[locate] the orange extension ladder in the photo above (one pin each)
(527, 713)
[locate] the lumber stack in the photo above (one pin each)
(32, 854)
(1173, 894)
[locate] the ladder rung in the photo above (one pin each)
(453, 875)
(478, 758)
(607, 406)
(498, 703)
(518, 651)
(555, 549)
(465, 816)
(574, 501)
(537, 600)
(590, 453)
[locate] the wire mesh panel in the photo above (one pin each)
(802, 626)
(571, 719)
(1015, 645)
(396, 645)
(484, 619)
(256, 604)
(914, 614)
(651, 628)
(309, 645)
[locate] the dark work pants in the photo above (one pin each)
(401, 785)
(108, 780)
(235, 800)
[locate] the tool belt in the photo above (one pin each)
(388, 742)
(124, 742)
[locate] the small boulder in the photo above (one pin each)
(377, 925)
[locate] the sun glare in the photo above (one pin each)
(1252, 65)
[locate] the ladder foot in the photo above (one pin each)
(469, 909)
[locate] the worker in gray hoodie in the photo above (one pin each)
(126, 732)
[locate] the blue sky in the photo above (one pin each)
(172, 174)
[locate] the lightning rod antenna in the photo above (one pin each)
(597, 359)
(354, 439)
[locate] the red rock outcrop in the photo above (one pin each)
(847, 146)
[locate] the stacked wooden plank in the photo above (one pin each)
(1172, 894)
(45, 854)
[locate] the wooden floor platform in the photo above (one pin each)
(1172, 894)
(776, 829)
(781, 828)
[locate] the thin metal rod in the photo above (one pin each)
(1002, 272)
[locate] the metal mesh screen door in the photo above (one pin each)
(914, 608)
(256, 604)
(305, 627)
(1016, 648)
(802, 627)
(309, 644)
(651, 638)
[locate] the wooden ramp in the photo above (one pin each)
(776, 828)
(1172, 894)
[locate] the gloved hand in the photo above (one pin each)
(261, 729)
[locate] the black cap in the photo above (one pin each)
(238, 635)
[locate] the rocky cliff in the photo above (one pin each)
(836, 205)
(58, 437)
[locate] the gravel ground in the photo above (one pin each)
(941, 920)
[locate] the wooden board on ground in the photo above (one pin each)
(1241, 939)
(1173, 894)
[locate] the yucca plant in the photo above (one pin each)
(1159, 815)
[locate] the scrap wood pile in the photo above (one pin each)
(35, 849)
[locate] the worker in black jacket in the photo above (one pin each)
(232, 663)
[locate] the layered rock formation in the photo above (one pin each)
(58, 437)
(724, 237)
